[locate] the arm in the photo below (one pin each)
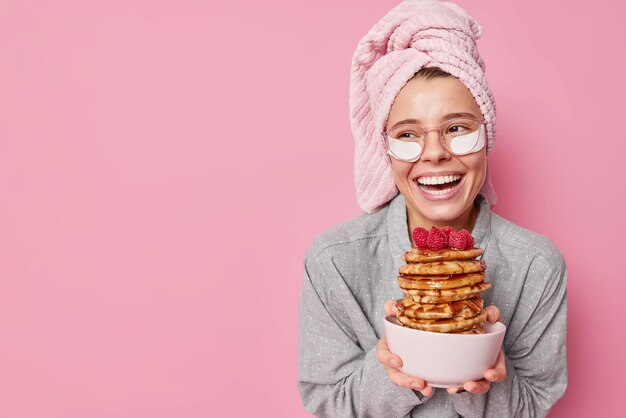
(337, 376)
(535, 360)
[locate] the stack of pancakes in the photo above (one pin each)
(442, 290)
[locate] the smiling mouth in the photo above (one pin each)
(438, 185)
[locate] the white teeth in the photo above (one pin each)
(439, 179)
(437, 192)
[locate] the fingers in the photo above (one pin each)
(398, 378)
(386, 357)
(453, 391)
(493, 313)
(392, 363)
(390, 308)
(477, 387)
(480, 386)
(498, 373)
(426, 391)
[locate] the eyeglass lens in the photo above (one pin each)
(460, 137)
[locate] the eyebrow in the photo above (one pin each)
(446, 117)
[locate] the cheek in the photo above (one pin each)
(400, 171)
(477, 166)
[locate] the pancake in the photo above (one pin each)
(416, 255)
(474, 331)
(446, 295)
(466, 309)
(443, 267)
(440, 282)
(442, 286)
(443, 325)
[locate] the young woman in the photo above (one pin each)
(417, 86)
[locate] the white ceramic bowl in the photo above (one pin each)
(445, 360)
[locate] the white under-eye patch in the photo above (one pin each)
(467, 144)
(408, 151)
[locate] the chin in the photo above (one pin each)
(442, 214)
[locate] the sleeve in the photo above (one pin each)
(337, 377)
(535, 360)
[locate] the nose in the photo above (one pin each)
(434, 150)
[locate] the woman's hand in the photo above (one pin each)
(497, 374)
(392, 363)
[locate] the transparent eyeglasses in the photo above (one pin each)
(459, 136)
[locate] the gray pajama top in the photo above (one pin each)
(351, 270)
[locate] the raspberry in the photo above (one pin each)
(420, 237)
(437, 239)
(470, 241)
(468, 237)
(447, 229)
(458, 240)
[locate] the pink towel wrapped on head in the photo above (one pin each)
(413, 35)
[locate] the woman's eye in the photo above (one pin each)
(407, 135)
(456, 128)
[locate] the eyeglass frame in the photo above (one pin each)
(426, 131)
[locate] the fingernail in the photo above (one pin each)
(395, 363)
(461, 391)
(416, 385)
(491, 377)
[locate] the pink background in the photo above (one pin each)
(165, 164)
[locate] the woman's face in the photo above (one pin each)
(450, 203)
